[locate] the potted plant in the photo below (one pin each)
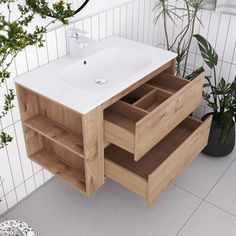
(221, 98)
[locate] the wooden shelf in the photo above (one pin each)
(51, 162)
(56, 133)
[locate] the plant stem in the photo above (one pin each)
(189, 43)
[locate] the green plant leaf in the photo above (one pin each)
(195, 73)
(208, 53)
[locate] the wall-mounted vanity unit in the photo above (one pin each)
(118, 112)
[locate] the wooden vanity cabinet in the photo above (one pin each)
(141, 138)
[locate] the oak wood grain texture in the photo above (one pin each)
(158, 123)
(165, 112)
(137, 84)
(57, 133)
(137, 93)
(161, 164)
(73, 160)
(178, 161)
(51, 162)
(119, 124)
(172, 67)
(33, 140)
(168, 82)
(60, 114)
(126, 178)
(93, 137)
(28, 103)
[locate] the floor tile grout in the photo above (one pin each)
(184, 189)
(218, 180)
(190, 217)
(220, 208)
(27, 197)
(204, 199)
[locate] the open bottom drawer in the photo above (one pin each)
(162, 164)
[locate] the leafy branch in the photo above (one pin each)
(15, 37)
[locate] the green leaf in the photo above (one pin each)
(208, 53)
(195, 73)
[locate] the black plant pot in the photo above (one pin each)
(214, 148)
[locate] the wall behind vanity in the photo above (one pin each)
(133, 20)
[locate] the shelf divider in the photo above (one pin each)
(56, 133)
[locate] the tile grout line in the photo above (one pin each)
(204, 199)
(190, 217)
(28, 196)
(220, 208)
(193, 194)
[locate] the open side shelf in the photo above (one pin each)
(55, 132)
(51, 162)
(62, 140)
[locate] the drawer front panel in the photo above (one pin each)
(160, 166)
(158, 123)
(178, 161)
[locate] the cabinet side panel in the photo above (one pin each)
(93, 137)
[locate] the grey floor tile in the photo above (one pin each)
(59, 210)
(224, 193)
(210, 221)
(2, 219)
(203, 173)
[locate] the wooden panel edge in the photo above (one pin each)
(126, 178)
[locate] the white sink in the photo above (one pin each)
(104, 69)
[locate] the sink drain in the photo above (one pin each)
(101, 81)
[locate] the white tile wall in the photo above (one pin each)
(19, 176)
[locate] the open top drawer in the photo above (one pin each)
(145, 116)
(162, 164)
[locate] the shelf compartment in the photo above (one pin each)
(138, 132)
(168, 82)
(162, 164)
(120, 124)
(153, 100)
(137, 93)
(50, 161)
(55, 132)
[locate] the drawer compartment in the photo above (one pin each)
(162, 164)
(139, 124)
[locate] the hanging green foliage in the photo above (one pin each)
(15, 37)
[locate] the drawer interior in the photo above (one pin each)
(168, 82)
(152, 100)
(136, 105)
(138, 93)
(124, 115)
(157, 155)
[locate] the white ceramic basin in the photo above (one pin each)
(104, 69)
(114, 63)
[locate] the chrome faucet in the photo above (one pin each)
(77, 40)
